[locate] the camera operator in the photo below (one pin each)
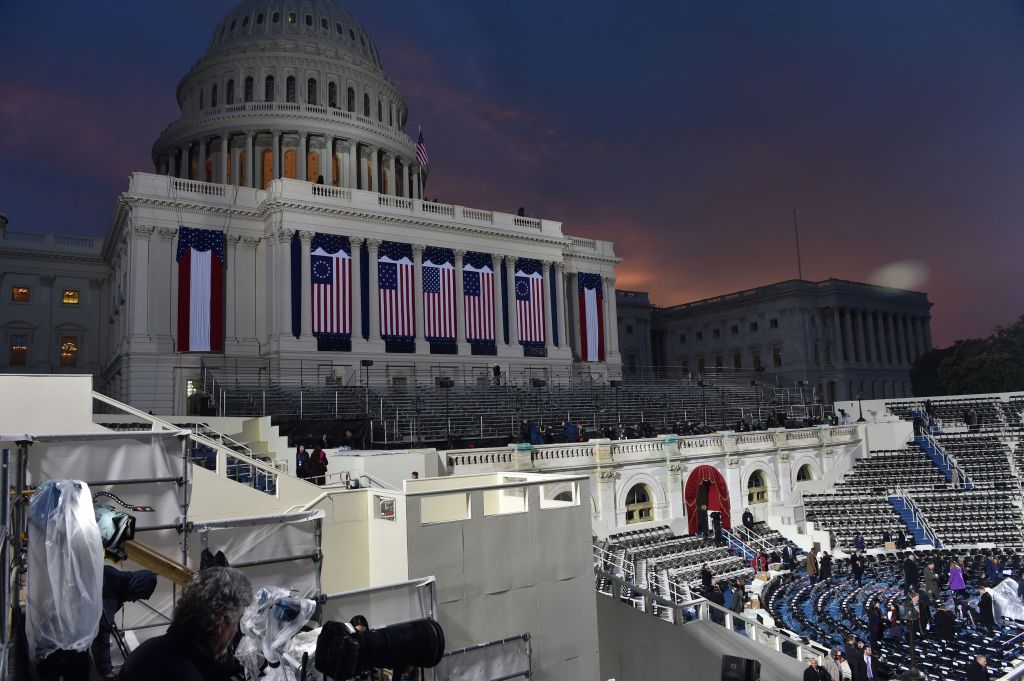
(205, 621)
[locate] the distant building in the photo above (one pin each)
(634, 308)
(844, 338)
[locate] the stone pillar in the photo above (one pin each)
(306, 286)
(417, 183)
(560, 311)
(224, 139)
(391, 175)
(406, 189)
(201, 162)
(887, 333)
(574, 313)
(872, 348)
(499, 301)
(231, 283)
(373, 181)
(326, 160)
(363, 169)
(513, 315)
(546, 294)
(611, 318)
(357, 294)
(847, 320)
(183, 162)
(460, 306)
(303, 147)
(837, 338)
(276, 170)
(858, 318)
(417, 301)
(907, 343)
(372, 246)
(353, 165)
(140, 282)
(250, 162)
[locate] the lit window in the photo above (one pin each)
(70, 296)
(291, 17)
(68, 351)
(19, 350)
(21, 294)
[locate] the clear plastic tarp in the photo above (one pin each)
(65, 569)
(269, 625)
(1005, 601)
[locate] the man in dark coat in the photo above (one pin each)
(874, 625)
(986, 615)
(886, 536)
(748, 519)
(787, 557)
(977, 669)
(944, 624)
(825, 567)
(853, 656)
(706, 578)
(857, 567)
(119, 587)
(924, 604)
(858, 542)
(812, 672)
(909, 572)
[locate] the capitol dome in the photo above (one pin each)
(291, 89)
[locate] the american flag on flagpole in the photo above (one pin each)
(331, 279)
(478, 291)
(421, 151)
(530, 307)
(395, 271)
(439, 301)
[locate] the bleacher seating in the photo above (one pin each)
(844, 513)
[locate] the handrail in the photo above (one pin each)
(703, 607)
(734, 541)
(917, 516)
(627, 568)
(752, 539)
(951, 462)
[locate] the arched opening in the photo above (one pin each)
(312, 165)
(229, 93)
(243, 163)
(380, 111)
(311, 93)
(194, 170)
(351, 100)
(757, 488)
(289, 89)
(563, 496)
(366, 105)
(639, 507)
(248, 89)
(805, 473)
(208, 168)
(213, 97)
(289, 164)
(385, 181)
(268, 89)
(369, 177)
(705, 490)
(332, 95)
(335, 171)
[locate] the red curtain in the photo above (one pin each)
(718, 495)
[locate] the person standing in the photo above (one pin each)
(857, 567)
(886, 537)
(986, 615)
(931, 581)
(956, 581)
(301, 462)
(944, 624)
(874, 625)
(853, 655)
(825, 567)
(812, 566)
(977, 669)
(830, 666)
(858, 541)
(706, 578)
(748, 519)
(787, 557)
(812, 673)
(318, 467)
(909, 573)
(868, 669)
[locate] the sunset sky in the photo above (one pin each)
(684, 132)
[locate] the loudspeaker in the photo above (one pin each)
(740, 669)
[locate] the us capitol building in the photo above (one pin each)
(286, 221)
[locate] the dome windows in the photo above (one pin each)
(311, 91)
(289, 89)
(291, 17)
(268, 89)
(229, 93)
(248, 89)
(259, 19)
(275, 17)
(366, 105)
(213, 97)
(309, 20)
(351, 100)
(352, 34)
(232, 25)
(323, 23)
(201, 99)
(341, 29)
(245, 22)
(332, 95)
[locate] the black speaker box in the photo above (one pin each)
(740, 669)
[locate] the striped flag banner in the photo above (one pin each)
(395, 272)
(591, 295)
(200, 257)
(439, 300)
(478, 294)
(331, 281)
(530, 302)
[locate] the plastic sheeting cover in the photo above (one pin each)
(1005, 600)
(382, 605)
(65, 569)
(269, 625)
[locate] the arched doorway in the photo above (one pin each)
(757, 488)
(639, 507)
(706, 487)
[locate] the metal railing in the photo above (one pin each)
(702, 609)
(961, 479)
(917, 516)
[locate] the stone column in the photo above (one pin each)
(417, 301)
(183, 162)
(303, 145)
(499, 301)
(357, 294)
(224, 139)
(546, 294)
(391, 176)
(513, 314)
(460, 306)
(372, 246)
(201, 162)
(847, 322)
(276, 170)
(406, 189)
(561, 307)
(858, 319)
(837, 338)
(612, 344)
(305, 285)
(353, 165)
(886, 324)
(326, 160)
(364, 165)
(231, 283)
(894, 322)
(417, 184)
(573, 286)
(140, 283)
(373, 182)
(250, 162)
(872, 348)
(907, 341)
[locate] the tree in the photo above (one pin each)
(976, 365)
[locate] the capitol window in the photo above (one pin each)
(309, 20)
(291, 17)
(776, 358)
(213, 96)
(380, 111)
(352, 100)
(19, 350)
(323, 24)
(639, 507)
(276, 17)
(340, 28)
(268, 89)
(21, 294)
(259, 19)
(289, 89)
(716, 333)
(70, 296)
(245, 21)
(248, 89)
(311, 91)
(366, 105)
(68, 351)
(229, 93)
(773, 323)
(757, 488)
(332, 95)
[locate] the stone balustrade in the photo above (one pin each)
(589, 453)
(45, 242)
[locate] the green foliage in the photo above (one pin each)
(977, 365)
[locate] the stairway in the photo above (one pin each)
(935, 457)
(907, 514)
